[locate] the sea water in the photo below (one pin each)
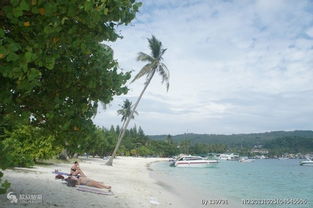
(271, 182)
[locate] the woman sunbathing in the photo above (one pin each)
(81, 178)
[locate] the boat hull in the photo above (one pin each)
(195, 164)
(246, 160)
(307, 163)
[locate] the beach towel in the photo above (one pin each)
(61, 173)
(93, 190)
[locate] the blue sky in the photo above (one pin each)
(236, 66)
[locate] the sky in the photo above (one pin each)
(239, 66)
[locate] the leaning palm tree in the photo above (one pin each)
(153, 65)
(125, 112)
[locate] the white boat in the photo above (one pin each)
(194, 161)
(245, 159)
(260, 157)
(306, 162)
(231, 156)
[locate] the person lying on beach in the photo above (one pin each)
(83, 180)
(89, 182)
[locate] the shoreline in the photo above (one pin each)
(191, 195)
(130, 179)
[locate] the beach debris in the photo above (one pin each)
(154, 201)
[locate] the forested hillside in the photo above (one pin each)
(248, 140)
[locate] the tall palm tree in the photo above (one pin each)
(125, 112)
(154, 64)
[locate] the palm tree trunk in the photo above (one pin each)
(110, 161)
(119, 140)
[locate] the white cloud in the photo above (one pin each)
(309, 32)
(221, 52)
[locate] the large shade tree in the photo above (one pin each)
(154, 64)
(53, 68)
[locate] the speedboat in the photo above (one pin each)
(245, 159)
(231, 157)
(194, 161)
(306, 162)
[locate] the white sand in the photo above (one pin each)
(130, 179)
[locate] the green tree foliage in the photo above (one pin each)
(99, 143)
(4, 185)
(55, 68)
(27, 144)
(277, 143)
(290, 145)
(237, 140)
(169, 139)
(164, 149)
(204, 149)
(23, 146)
(135, 143)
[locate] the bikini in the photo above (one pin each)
(74, 170)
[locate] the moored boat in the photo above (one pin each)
(245, 159)
(306, 162)
(194, 161)
(231, 157)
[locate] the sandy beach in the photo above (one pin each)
(130, 178)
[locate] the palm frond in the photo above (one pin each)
(133, 116)
(155, 46)
(165, 68)
(144, 71)
(126, 110)
(154, 62)
(165, 74)
(120, 112)
(144, 57)
(162, 52)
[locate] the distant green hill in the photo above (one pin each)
(290, 145)
(236, 139)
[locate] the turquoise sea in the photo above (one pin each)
(276, 181)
